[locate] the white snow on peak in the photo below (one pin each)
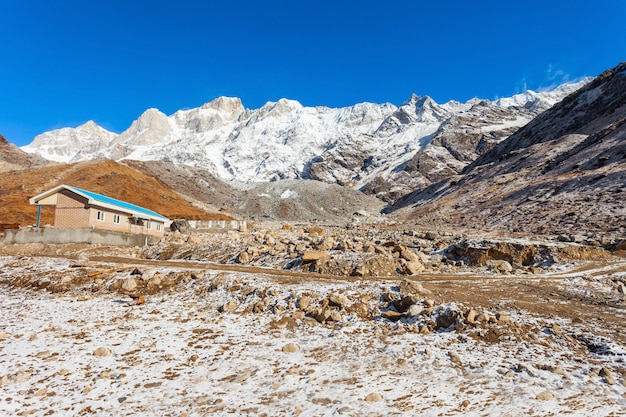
(279, 140)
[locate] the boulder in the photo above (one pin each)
(500, 265)
(229, 306)
(129, 284)
(373, 397)
(243, 257)
(403, 304)
(391, 315)
(408, 286)
(180, 225)
(470, 317)
(291, 348)
(413, 267)
(326, 244)
(194, 240)
(101, 352)
(313, 256)
(338, 300)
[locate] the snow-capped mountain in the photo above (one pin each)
(364, 145)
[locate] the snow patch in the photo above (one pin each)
(289, 194)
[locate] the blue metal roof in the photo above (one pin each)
(122, 204)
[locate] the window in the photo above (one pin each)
(158, 226)
(101, 216)
(116, 218)
(148, 225)
(136, 221)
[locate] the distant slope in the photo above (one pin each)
(565, 172)
(12, 157)
(102, 176)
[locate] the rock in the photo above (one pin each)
(413, 267)
(101, 352)
(155, 281)
(414, 310)
(360, 310)
(454, 358)
(391, 315)
(291, 348)
(313, 256)
(335, 316)
(483, 318)
(304, 302)
(448, 318)
(3, 336)
(129, 284)
(503, 318)
(621, 288)
(403, 304)
(180, 225)
(471, 316)
(314, 231)
(373, 397)
(499, 265)
(22, 376)
(243, 257)
(194, 240)
(259, 307)
(229, 306)
(326, 244)
(544, 396)
(408, 286)
(284, 322)
(607, 375)
(338, 300)
(4, 380)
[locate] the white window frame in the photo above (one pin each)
(100, 216)
(116, 218)
(158, 227)
(148, 225)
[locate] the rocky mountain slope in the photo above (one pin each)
(563, 173)
(379, 148)
(284, 200)
(12, 157)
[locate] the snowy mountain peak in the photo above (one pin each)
(225, 104)
(283, 139)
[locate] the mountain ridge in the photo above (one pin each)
(355, 146)
(564, 173)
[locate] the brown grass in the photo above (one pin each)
(102, 176)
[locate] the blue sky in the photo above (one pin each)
(63, 63)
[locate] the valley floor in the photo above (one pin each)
(214, 340)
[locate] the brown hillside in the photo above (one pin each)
(101, 176)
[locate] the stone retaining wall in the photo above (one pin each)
(53, 235)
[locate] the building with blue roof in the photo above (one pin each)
(77, 208)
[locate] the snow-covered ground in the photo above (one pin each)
(84, 351)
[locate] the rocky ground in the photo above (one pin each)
(487, 326)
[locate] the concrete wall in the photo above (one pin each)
(55, 235)
(218, 224)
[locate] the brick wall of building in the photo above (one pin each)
(70, 210)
